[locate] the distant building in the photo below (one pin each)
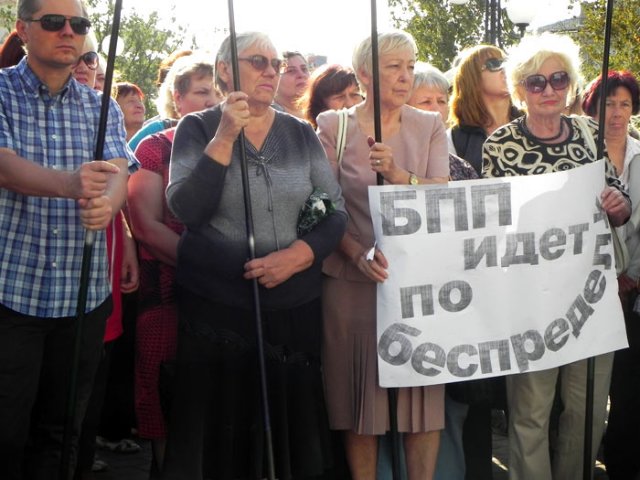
(315, 61)
(564, 26)
(569, 25)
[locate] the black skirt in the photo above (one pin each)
(217, 427)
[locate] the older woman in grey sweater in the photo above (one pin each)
(216, 346)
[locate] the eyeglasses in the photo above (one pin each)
(90, 59)
(302, 69)
(52, 22)
(537, 83)
(493, 64)
(261, 63)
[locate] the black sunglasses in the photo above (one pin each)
(537, 83)
(261, 63)
(494, 64)
(52, 22)
(90, 59)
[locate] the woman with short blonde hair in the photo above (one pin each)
(177, 82)
(543, 75)
(413, 151)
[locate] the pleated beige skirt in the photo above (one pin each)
(355, 401)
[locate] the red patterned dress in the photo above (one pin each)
(157, 322)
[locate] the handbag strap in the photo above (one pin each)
(341, 139)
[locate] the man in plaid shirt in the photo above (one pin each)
(51, 190)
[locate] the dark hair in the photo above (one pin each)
(324, 82)
(12, 50)
(289, 54)
(122, 89)
(615, 80)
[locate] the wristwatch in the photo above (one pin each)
(413, 178)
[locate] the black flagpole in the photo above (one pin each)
(392, 393)
(87, 253)
(271, 475)
(587, 466)
(604, 78)
(375, 72)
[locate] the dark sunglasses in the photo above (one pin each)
(494, 64)
(90, 59)
(261, 63)
(537, 83)
(52, 22)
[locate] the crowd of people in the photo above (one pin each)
(168, 202)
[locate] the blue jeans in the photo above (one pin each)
(385, 462)
(450, 464)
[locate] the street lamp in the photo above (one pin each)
(106, 41)
(521, 13)
(493, 22)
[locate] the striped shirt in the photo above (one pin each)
(42, 238)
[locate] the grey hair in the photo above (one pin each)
(243, 41)
(426, 75)
(527, 57)
(178, 79)
(26, 9)
(387, 42)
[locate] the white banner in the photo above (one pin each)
(494, 277)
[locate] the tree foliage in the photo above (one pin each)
(442, 30)
(625, 37)
(8, 16)
(146, 43)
